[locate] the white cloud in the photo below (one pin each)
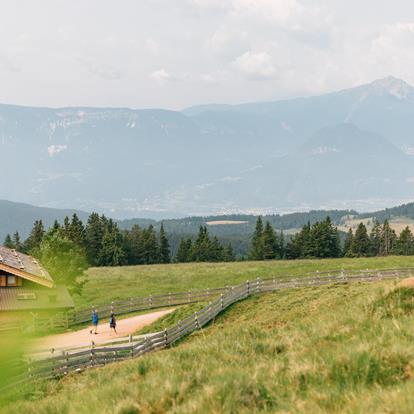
(227, 43)
(52, 150)
(152, 46)
(161, 76)
(256, 66)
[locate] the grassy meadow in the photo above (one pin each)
(110, 283)
(330, 349)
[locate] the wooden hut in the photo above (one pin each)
(26, 286)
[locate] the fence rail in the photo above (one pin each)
(62, 321)
(77, 360)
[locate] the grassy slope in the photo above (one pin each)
(106, 284)
(313, 350)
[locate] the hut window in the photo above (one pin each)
(11, 281)
(26, 296)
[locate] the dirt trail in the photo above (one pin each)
(83, 337)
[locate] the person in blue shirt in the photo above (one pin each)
(95, 321)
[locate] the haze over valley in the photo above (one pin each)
(347, 149)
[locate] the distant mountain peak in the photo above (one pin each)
(391, 86)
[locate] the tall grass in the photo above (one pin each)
(106, 284)
(312, 350)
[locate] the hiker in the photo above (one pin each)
(112, 322)
(95, 321)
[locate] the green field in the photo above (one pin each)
(331, 349)
(106, 284)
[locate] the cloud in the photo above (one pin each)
(228, 43)
(161, 76)
(256, 65)
(151, 46)
(52, 150)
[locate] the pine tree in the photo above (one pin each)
(388, 239)
(184, 252)
(150, 245)
(269, 242)
(228, 254)
(17, 242)
(256, 250)
(347, 250)
(56, 227)
(405, 243)
(134, 246)
(201, 249)
(35, 237)
(112, 252)
(66, 227)
(216, 251)
(281, 246)
(360, 244)
(165, 255)
(8, 242)
(375, 239)
(76, 231)
(94, 235)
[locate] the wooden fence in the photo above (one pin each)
(79, 360)
(62, 321)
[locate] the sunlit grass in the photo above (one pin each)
(106, 284)
(312, 350)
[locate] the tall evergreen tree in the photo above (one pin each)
(201, 249)
(256, 251)
(35, 237)
(8, 242)
(228, 254)
(405, 243)
(269, 242)
(165, 254)
(184, 253)
(360, 244)
(112, 252)
(375, 239)
(76, 231)
(150, 245)
(17, 242)
(388, 239)
(94, 236)
(347, 250)
(134, 245)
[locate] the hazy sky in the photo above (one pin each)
(177, 53)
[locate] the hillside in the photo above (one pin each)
(327, 349)
(20, 217)
(214, 160)
(104, 284)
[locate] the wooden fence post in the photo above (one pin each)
(165, 337)
(258, 285)
(92, 355)
(221, 302)
(150, 301)
(197, 326)
(66, 366)
(248, 287)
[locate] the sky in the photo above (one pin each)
(178, 53)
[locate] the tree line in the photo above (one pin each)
(322, 239)
(382, 240)
(104, 244)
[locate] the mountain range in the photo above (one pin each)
(347, 149)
